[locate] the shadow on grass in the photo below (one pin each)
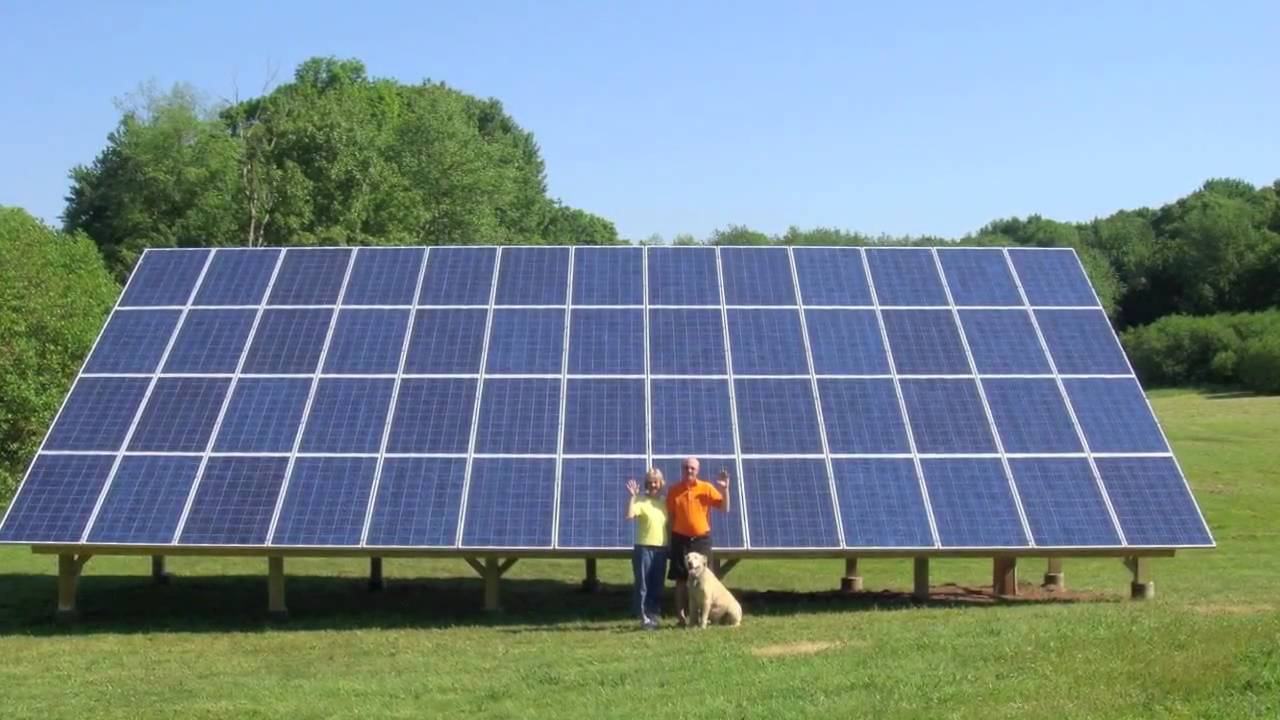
(237, 603)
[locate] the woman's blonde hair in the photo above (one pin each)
(655, 474)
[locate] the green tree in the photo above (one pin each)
(54, 295)
(738, 235)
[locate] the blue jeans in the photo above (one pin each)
(649, 565)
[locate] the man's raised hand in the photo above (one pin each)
(723, 479)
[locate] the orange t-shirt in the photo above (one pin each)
(688, 505)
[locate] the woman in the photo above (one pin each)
(649, 557)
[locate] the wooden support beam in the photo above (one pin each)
(491, 574)
(591, 583)
(506, 565)
(476, 565)
(921, 589)
(727, 567)
(1053, 577)
(375, 574)
(1004, 576)
(1142, 587)
(158, 574)
(276, 607)
(852, 581)
(69, 567)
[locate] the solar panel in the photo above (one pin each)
(593, 502)
(789, 504)
(133, 341)
(417, 503)
(832, 276)
(326, 501)
(306, 398)
(881, 504)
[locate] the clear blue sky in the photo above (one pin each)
(682, 117)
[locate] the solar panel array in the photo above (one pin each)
(477, 397)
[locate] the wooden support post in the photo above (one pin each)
(375, 574)
(1142, 587)
(275, 588)
(1004, 576)
(491, 574)
(68, 577)
(852, 581)
(158, 574)
(1053, 577)
(591, 583)
(921, 589)
(726, 567)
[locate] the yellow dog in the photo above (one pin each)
(708, 597)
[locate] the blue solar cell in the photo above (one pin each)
(180, 414)
(210, 341)
(164, 277)
(831, 276)
(493, 520)
(972, 503)
(1052, 276)
(686, 342)
(57, 498)
(347, 415)
(526, 341)
(1003, 342)
(757, 276)
(1063, 505)
(384, 276)
(446, 341)
(683, 276)
(433, 415)
(979, 277)
(1082, 342)
(97, 414)
(1114, 415)
(458, 276)
(905, 277)
(726, 527)
(519, 416)
(593, 502)
(604, 417)
(234, 501)
(881, 504)
(326, 501)
(846, 342)
(146, 499)
(606, 342)
(288, 341)
(367, 342)
(1031, 416)
(263, 416)
(767, 342)
(925, 342)
(533, 276)
(777, 416)
(691, 417)
(1152, 502)
(418, 502)
(133, 341)
(310, 276)
(947, 416)
(237, 276)
(608, 276)
(862, 416)
(789, 504)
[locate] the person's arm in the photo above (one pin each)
(631, 506)
(724, 503)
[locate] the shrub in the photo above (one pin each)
(1259, 366)
(1184, 350)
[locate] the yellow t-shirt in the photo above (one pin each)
(651, 521)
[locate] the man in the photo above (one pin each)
(689, 504)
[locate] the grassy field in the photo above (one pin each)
(1208, 646)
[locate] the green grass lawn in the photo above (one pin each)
(1207, 646)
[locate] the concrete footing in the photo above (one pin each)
(852, 581)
